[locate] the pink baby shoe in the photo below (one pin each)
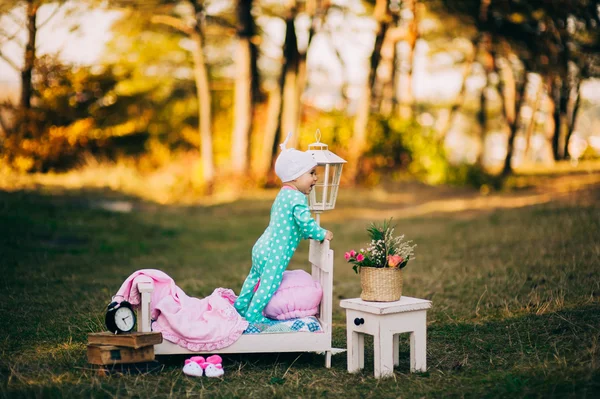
(194, 366)
(213, 370)
(214, 359)
(213, 366)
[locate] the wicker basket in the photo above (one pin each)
(380, 284)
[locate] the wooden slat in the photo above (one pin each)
(405, 304)
(110, 354)
(327, 301)
(262, 343)
(131, 340)
(317, 274)
(318, 253)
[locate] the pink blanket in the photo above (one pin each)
(196, 324)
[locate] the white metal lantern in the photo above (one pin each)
(329, 171)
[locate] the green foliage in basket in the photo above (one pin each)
(384, 250)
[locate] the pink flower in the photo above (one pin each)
(394, 260)
(350, 254)
(360, 257)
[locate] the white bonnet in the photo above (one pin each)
(291, 163)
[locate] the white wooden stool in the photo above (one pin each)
(385, 321)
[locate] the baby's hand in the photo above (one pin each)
(329, 235)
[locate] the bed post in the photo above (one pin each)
(321, 259)
(329, 305)
(145, 290)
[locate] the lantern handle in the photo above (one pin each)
(318, 144)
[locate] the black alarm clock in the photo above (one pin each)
(120, 317)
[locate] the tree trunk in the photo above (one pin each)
(482, 118)
(532, 122)
(550, 121)
(489, 65)
(560, 86)
(459, 99)
(512, 110)
(358, 142)
(301, 78)
(204, 114)
(290, 89)
(288, 111)
(376, 58)
(388, 97)
(384, 89)
(202, 88)
(406, 100)
(572, 118)
(266, 160)
(555, 89)
(245, 86)
(242, 120)
(316, 12)
(204, 102)
(29, 61)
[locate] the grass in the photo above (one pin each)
(514, 279)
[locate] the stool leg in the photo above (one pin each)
(328, 359)
(354, 349)
(384, 357)
(396, 349)
(418, 349)
(361, 351)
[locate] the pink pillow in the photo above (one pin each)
(297, 296)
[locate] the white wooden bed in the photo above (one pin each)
(321, 259)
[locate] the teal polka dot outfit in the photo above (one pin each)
(290, 221)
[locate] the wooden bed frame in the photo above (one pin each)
(320, 257)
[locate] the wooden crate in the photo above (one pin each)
(134, 340)
(110, 354)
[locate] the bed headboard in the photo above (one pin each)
(320, 257)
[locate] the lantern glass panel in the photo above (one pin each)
(324, 193)
(335, 184)
(316, 195)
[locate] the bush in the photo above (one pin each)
(406, 146)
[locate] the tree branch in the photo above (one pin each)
(8, 37)
(10, 15)
(173, 22)
(10, 62)
(51, 16)
(220, 21)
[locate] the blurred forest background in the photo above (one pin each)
(187, 97)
